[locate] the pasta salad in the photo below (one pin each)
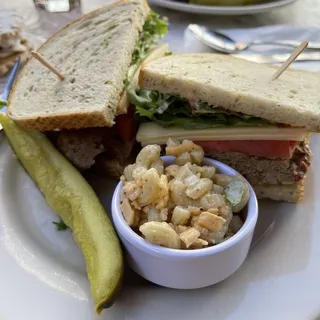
(185, 205)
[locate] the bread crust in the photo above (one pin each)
(60, 121)
(289, 193)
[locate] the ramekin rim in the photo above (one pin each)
(130, 235)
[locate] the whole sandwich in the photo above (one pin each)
(233, 109)
(87, 115)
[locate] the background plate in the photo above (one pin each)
(222, 10)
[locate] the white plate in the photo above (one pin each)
(43, 274)
(222, 10)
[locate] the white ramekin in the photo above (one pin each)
(186, 269)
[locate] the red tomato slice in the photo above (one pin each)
(126, 126)
(260, 148)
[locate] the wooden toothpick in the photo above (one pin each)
(47, 64)
(296, 52)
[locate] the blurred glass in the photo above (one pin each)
(24, 8)
(57, 5)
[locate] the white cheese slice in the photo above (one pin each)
(152, 133)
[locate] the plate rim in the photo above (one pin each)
(221, 10)
(60, 303)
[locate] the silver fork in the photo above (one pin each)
(9, 83)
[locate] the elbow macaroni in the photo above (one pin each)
(182, 206)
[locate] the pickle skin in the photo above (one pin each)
(73, 199)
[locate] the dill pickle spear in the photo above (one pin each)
(68, 193)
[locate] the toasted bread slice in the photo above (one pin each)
(280, 192)
(94, 54)
(6, 63)
(238, 85)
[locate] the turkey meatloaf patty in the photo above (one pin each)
(259, 170)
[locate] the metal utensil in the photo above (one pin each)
(278, 58)
(8, 86)
(225, 44)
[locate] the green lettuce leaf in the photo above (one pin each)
(61, 226)
(153, 30)
(3, 103)
(170, 110)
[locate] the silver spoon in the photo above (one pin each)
(224, 44)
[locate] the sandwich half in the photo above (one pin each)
(238, 115)
(99, 55)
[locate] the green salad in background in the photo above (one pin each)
(225, 2)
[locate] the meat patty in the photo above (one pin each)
(110, 146)
(272, 171)
(81, 146)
